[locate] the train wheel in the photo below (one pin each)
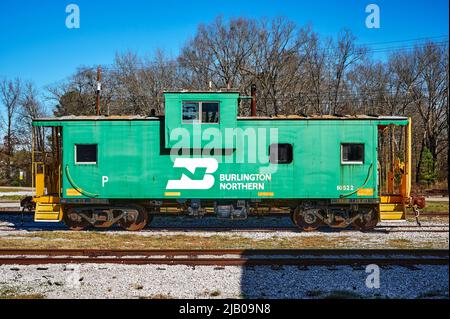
(136, 220)
(368, 222)
(74, 221)
(307, 220)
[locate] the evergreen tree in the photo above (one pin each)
(428, 173)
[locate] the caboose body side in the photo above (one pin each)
(201, 158)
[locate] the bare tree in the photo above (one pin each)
(345, 54)
(367, 86)
(77, 95)
(315, 67)
(30, 108)
(138, 83)
(165, 76)
(219, 53)
(10, 91)
(276, 61)
(431, 94)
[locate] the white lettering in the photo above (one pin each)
(73, 19)
(373, 279)
(373, 19)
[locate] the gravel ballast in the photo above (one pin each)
(153, 281)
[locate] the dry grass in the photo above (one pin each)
(108, 240)
(7, 189)
(215, 293)
(157, 296)
(438, 219)
(104, 240)
(400, 243)
(7, 292)
(11, 197)
(23, 296)
(411, 244)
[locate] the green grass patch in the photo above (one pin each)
(436, 207)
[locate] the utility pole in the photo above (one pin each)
(99, 88)
(253, 102)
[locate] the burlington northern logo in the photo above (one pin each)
(191, 164)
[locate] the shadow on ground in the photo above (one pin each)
(25, 221)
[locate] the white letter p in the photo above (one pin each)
(104, 180)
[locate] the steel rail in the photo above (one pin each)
(228, 261)
(216, 252)
(296, 229)
(251, 257)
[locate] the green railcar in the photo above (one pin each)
(201, 158)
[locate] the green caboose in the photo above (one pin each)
(201, 158)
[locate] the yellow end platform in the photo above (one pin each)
(392, 208)
(48, 209)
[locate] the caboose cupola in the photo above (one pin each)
(190, 113)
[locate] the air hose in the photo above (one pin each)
(364, 184)
(78, 189)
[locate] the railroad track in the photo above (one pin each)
(391, 229)
(226, 257)
(237, 229)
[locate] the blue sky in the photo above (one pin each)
(36, 45)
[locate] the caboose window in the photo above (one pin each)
(280, 153)
(86, 154)
(352, 153)
(191, 112)
(200, 112)
(210, 112)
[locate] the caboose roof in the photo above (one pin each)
(251, 118)
(382, 120)
(324, 117)
(221, 91)
(96, 118)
